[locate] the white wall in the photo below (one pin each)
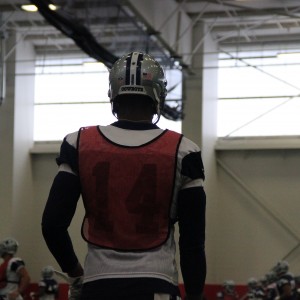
(258, 211)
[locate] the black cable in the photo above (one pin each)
(76, 31)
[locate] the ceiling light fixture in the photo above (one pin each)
(289, 55)
(53, 7)
(33, 8)
(29, 7)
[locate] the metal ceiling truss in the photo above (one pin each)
(118, 28)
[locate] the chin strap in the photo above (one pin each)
(157, 119)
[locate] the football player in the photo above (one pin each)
(136, 180)
(271, 292)
(14, 277)
(282, 272)
(255, 290)
(228, 291)
(286, 284)
(48, 286)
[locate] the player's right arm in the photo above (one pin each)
(60, 209)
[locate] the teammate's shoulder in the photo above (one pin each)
(16, 259)
(15, 263)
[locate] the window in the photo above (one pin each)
(72, 92)
(259, 93)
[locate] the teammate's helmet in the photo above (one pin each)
(48, 272)
(281, 268)
(252, 283)
(138, 73)
(271, 277)
(9, 246)
(229, 286)
(263, 281)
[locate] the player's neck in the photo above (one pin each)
(135, 121)
(7, 256)
(133, 114)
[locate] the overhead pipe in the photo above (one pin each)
(2, 67)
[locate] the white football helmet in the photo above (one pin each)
(281, 267)
(47, 272)
(9, 246)
(252, 283)
(229, 286)
(138, 73)
(271, 277)
(263, 281)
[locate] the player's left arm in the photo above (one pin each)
(191, 221)
(23, 283)
(191, 208)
